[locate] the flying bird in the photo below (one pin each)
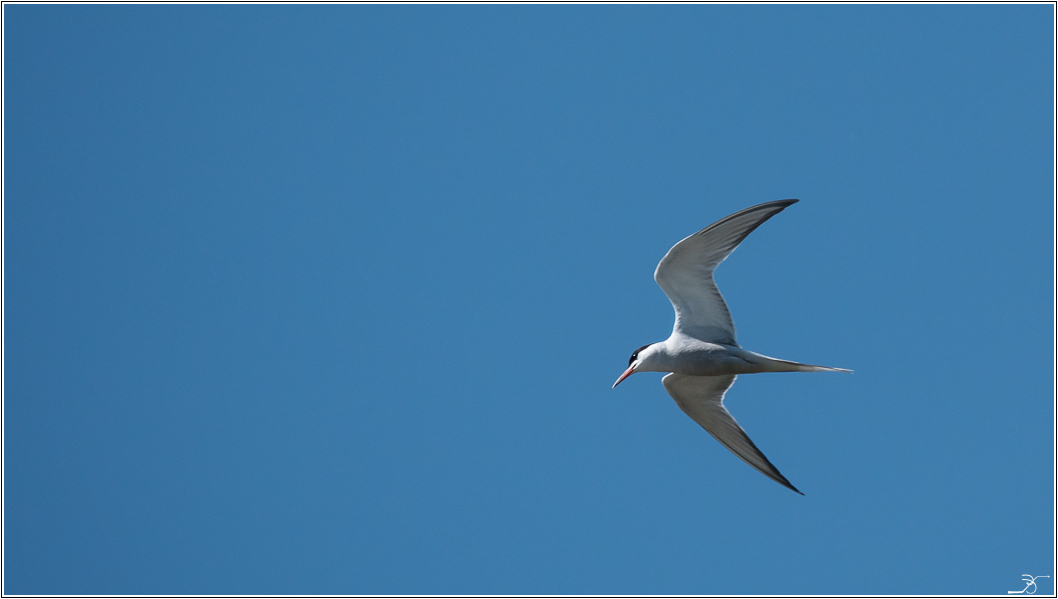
(702, 356)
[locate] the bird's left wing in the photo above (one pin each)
(685, 274)
(702, 398)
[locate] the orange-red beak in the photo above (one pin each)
(626, 374)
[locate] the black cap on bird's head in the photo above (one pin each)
(635, 354)
(631, 364)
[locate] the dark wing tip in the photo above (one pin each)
(782, 479)
(783, 203)
(776, 207)
(774, 474)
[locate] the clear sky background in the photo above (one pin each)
(329, 299)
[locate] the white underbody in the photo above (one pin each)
(684, 354)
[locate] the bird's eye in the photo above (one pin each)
(635, 354)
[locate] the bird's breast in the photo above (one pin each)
(707, 359)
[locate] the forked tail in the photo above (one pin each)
(788, 366)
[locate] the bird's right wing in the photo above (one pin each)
(685, 274)
(702, 398)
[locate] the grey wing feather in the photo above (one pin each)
(685, 274)
(702, 398)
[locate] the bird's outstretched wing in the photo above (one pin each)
(685, 274)
(702, 398)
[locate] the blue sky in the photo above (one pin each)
(329, 299)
